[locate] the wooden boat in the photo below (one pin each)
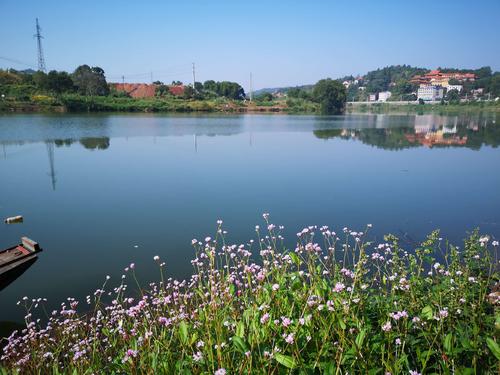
(17, 256)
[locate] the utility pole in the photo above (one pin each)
(123, 79)
(194, 77)
(39, 37)
(251, 87)
(151, 73)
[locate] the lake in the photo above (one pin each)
(101, 191)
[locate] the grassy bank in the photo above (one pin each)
(79, 103)
(387, 107)
(335, 304)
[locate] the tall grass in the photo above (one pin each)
(335, 304)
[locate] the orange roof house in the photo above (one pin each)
(439, 78)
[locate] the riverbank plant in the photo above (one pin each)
(337, 303)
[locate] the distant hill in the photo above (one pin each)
(25, 71)
(275, 90)
(397, 80)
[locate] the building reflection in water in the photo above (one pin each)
(428, 130)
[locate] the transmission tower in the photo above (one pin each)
(50, 153)
(39, 37)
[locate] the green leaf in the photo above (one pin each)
(427, 312)
(240, 344)
(194, 338)
(330, 368)
(183, 332)
(297, 284)
(240, 329)
(295, 258)
(360, 338)
(495, 349)
(447, 343)
(342, 324)
(285, 360)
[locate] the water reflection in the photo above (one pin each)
(95, 143)
(427, 130)
(156, 181)
(9, 277)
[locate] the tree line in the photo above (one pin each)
(91, 81)
(329, 95)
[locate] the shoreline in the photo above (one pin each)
(127, 105)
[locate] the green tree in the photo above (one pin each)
(381, 79)
(90, 81)
(162, 90)
(40, 80)
(8, 78)
(230, 90)
(299, 93)
(188, 92)
(198, 86)
(494, 86)
(453, 97)
(403, 87)
(265, 97)
(59, 82)
(331, 95)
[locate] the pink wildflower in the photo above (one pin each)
(387, 327)
(265, 318)
(339, 287)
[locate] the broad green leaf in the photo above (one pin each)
(240, 345)
(194, 338)
(183, 332)
(240, 329)
(342, 324)
(330, 368)
(447, 343)
(285, 360)
(360, 338)
(495, 349)
(427, 312)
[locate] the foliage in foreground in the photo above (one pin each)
(331, 305)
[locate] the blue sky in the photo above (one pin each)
(281, 42)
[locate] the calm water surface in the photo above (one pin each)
(101, 191)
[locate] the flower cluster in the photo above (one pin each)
(329, 305)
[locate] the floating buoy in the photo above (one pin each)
(14, 219)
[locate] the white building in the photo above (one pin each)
(383, 96)
(454, 87)
(430, 93)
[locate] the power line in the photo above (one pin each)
(17, 62)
